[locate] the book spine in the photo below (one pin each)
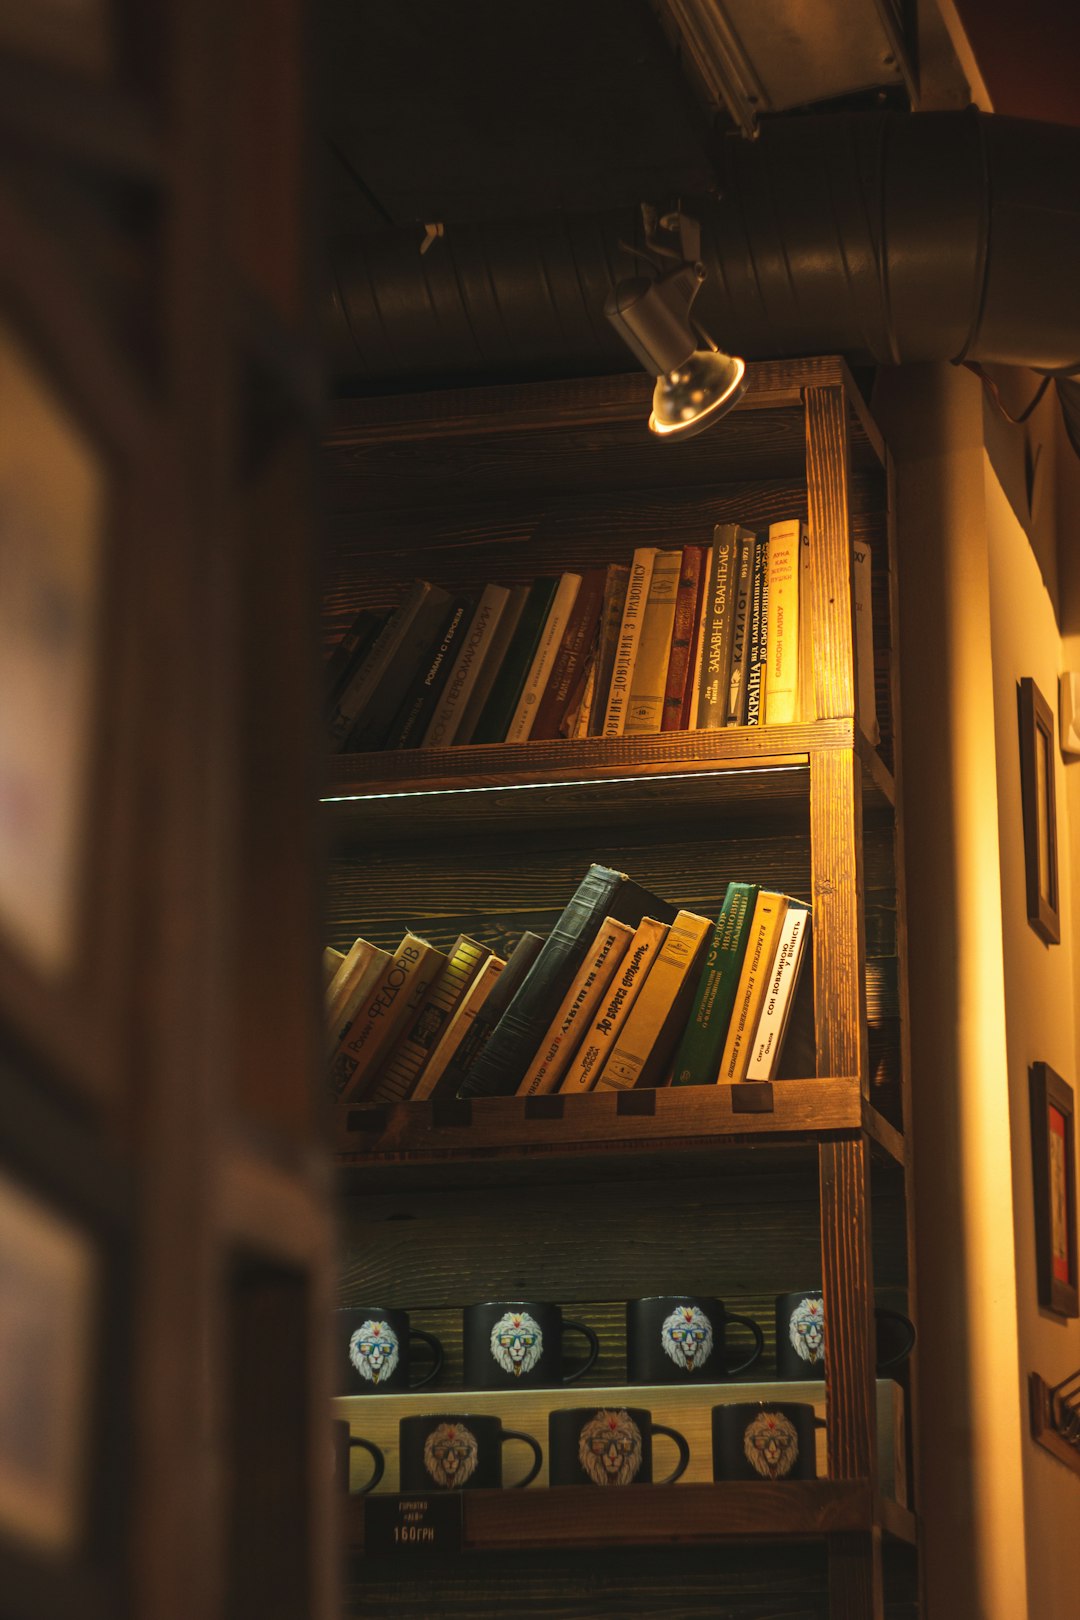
(642, 1050)
(408, 666)
(578, 1008)
(443, 725)
(361, 982)
(411, 721)
(374, 665)
(716, 641)
(701, 1047)
(576, 719)
(782, 690)
(645, 705)
(398, 993)
(358, 954)
(499, 1068)
(518, 966)
(806, 702)
(768, 1038)
(633, 971)
(753, 983)
(622, 673)
(565, 682)
(502, 703)
(759, 637)
(865, 693)
(543, 661)
(403, 1066)
(683, 638)
(492, 663)
(611, 612)
(459, 1029)
(693, 695)
(349, 654)
(740, 636)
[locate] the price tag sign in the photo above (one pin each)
(413, 1524)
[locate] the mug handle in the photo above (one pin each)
(538, 1455)
(436, 1349)
(759, 1343)
(376, 1456)
(909, 1329)
(684, 1453)
(594, 1350)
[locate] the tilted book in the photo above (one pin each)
(350, 963)
(543, 660)
(645, 706)
(502, 703)
(368, 967)
(633, 973)
(499, 1069)
(575, 1015)
(492, 663)
(740, 639)
(465, 671)
(611, 612)
(782, 678)
(397, 995)
(753, 983)
(367, 705)
(575, 649)
(409, 725)
(683, 638)
(403, 1063)
(456, 1033)
(759, 637)
(697, 1060)
(642, 1050)
(518, 964)
(622, 671)
(768, 1039)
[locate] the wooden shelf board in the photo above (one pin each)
(539, 1136)
(569, 1516)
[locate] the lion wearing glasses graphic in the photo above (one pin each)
(609, 1448)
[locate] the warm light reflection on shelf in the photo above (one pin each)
(571, 782)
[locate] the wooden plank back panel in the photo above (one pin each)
(828, 483)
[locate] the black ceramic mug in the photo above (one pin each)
(344, 1444)
(517, 1344)
(676, 1338)
(590, 1445)
(373, 1348)
(455, 1451)
(800, 1335)
(764, 1440)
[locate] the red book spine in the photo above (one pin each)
(576, 643)
(683, 639)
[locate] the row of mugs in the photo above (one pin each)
(590, 1445)
(518, 1344)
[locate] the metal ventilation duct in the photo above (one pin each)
(883, 236)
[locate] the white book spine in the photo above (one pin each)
(447, 717)
(544, 657)
(865, 694)
(578, 1009)
(776, 1008)
(637, 596)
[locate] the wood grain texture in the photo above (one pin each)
(847, 1284)
(838, 933)
(856, 1584)
(831, 581)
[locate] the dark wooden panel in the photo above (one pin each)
(831, 580)
(847, 1281)
(839, 955)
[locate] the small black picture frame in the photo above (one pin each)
(1039, 800)
(1053, 1162)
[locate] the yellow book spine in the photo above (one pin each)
(397, 994)
(626, 648)
(623, 992)
(579, 1005)
(753, 983)
(651, 1018)
(645, 708)
(784, 567)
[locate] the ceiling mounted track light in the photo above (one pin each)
(696, 383)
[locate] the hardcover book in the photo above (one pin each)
(611, 612)
(645, 706)
(331, 962)
(568, 670)
(615, 1007)
(782, 680)
(349, 654)
(403, 1065)
(518, 964)
(759, 637)
(465, 671)
(499, 1069)
(697, 1061)
(367, 968)
(718, 622)
(412, 719)
(397, 994)
(366, 706)
(684, 639)
(765, 926)
(502, 702)
(643, 1047)
(626, 648)
(740, 638)
(768, 1038)
(457, 1030)
(575, 1015)
(543, 659)
(492, 663)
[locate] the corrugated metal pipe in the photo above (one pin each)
(883, 236)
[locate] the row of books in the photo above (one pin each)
(702, 636)
(625, 992)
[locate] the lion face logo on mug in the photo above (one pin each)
(451, 1454)
(771, 1445)
(516, 1342)
(373, 1351)
(687, 1336)
(806, 1330)
(609, 1448)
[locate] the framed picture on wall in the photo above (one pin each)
(1053, 1159)
(1037, 752)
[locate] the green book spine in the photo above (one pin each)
(494, 722)
(697, 1061)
